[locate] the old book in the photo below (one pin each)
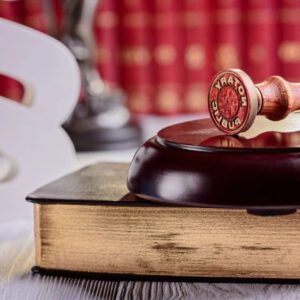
(136, 38)
(197, 54)
(261, 39)
(106, 33)
(289, 47)
(168, 32)
(228, 38)
(87, 222)
(35, 15)
(9, 87)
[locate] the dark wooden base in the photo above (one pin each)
(128, 136)
(195, 164)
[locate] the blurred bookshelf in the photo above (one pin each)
(164, 53)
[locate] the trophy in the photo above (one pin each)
(100, 121)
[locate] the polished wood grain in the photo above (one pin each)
(279, 97)
(202, 135)
(193, 163)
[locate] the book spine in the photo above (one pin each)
(228, 35)
(34, 15)
(136, 47)
(197, 54)
(261, 39)
(168, 56)
(10, 88)
(289, 47)
(11, 10)
(106, 34)
(57, 18)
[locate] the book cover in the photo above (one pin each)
(261, 39)
(11, 10)
(106, 32)
(168, 56)
(289, 47)
(35, 15)
(136, 40)
(197, 54)
(228, 38)
(10, 88)
(86, 222)
(55, 17)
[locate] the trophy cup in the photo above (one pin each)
(100, 121)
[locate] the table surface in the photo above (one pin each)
(17, 258)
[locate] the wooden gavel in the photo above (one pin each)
(234, 101)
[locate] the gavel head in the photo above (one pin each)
(233, 101)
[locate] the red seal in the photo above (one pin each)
(232, 101)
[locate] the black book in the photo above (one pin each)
(88, 222)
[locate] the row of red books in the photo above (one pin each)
(164, 53)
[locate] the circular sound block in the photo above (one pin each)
(194, 163)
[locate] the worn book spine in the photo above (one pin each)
(10, 88)
(261, 39)
(136, 60)
(197, 54)
(57, 21)
(106, 27)
(289, 48)
(228, 37)
(34, 15)
(168, 56)
(11, 10)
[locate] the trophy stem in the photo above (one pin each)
(100, 121)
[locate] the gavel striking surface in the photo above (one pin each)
(193, 163)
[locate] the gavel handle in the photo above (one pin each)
(278, 97)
